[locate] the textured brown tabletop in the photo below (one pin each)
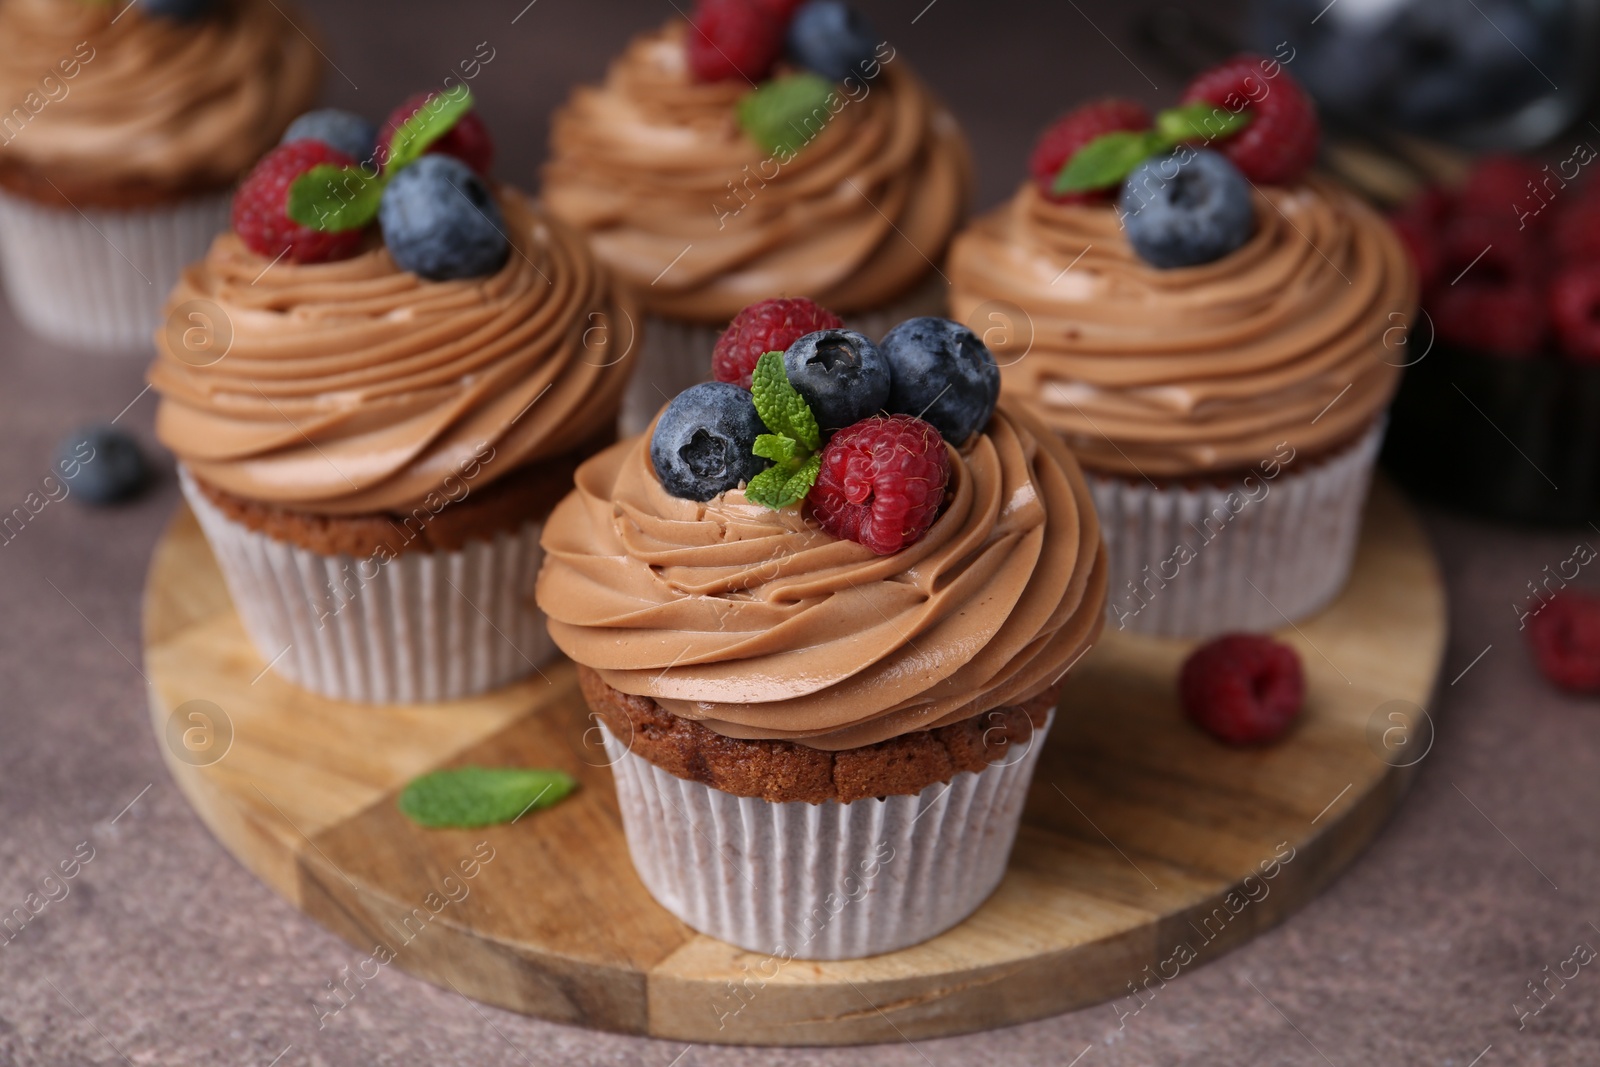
(167, 952)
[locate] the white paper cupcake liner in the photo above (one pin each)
(98, 278)
(1251, 564)
(420, 628)
(822, 881)
(674, 355)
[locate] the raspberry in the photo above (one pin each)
(1575, 312)
(1071, 132)
(882, 482)
(1243, 689)
(468, 140)
(1497, 188)
(1488, 291)
(1565, 638)
(733, 39)
(1577, 231)
(260, 215)
(782, 10)
(1280, 143)
(770, 326)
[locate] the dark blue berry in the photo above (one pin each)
(942, 373)
(1187, 208)
(440, 221)
(101, 464)
(344, 130)
(842, 375)
(184, 10)
(831, 38)
(701, 445)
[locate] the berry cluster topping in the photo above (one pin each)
(1510, 262)
(1565, 638)
(316, 196)
(858, 431)
(1243, 689)
(1183, 177)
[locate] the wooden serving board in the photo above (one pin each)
(1144, 845)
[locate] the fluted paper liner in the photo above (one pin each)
(419, 628)
(98, 278)
(1277, 558)
(822, 881)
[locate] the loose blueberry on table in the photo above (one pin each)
(105, 465)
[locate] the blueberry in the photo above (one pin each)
(1187, 208)
(344, 130)
(941, 372)
(184, 10)
(101, 464)
(831, 38)
(702, 442)
(841, 374)
(439, 221)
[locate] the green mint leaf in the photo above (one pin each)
(780, 405)
(334, 199)
(1199, 122)
(766, 488)
(786, 114)
(1107, 160)
(432, 121)
(779, 449)
(481, 796)
(801, 481)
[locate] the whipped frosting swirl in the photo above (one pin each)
(1298, 336)
(181, 105)
(354, 387)
(689, 210)
(759, 624)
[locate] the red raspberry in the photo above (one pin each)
(1071, 132)
(1487, 294)
(782, 10)
(1243, 689)
(468, 140)
(260, 207)
(882, 482)
(733, 39)
(1575, 312)
(1280, 143)
(1497, 188)
(1565, 638)
(770, 326)
(1577, 232)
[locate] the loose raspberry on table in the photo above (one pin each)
(1565, 638)
(1243, 689)
(733, 39)
(882, 482)
(770, 326)
(1575, 311)
(260, 207)
(1280, 143)
(468, 140)
(1070, 133)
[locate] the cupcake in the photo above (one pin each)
(129, 126)
(825, 660)
(373, 421)
(747, 153)
(1214, 333)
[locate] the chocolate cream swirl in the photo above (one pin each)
(182, 105)
(1298, 336)
(758, 624)
(654, 166)
(353, 387)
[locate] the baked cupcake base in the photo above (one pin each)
(1194, 561)
(675, 354)
(95, 278)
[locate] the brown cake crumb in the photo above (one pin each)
(783, 771)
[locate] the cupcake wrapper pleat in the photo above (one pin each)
(822, 881)
(1277, 558)
(97, 279)
(419, 628)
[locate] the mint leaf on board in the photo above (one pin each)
(334, 199)
(432, 121)
(1107, 160)
(467, 797)
(786, 114)
(780, 405)
(1200, 122)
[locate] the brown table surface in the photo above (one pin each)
(168, 952)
